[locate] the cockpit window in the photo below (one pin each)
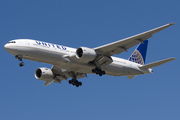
(11, 42)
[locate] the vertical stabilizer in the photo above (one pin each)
(139, 54)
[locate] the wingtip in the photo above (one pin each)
(171, 23)
(173, 58)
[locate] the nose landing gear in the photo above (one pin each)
(19, 57)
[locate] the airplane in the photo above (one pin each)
(77, 63)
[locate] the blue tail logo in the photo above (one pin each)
(139, 54)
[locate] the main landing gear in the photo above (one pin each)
(74, 81)
(19, 57)
(98, 71)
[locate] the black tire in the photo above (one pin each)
(80, 83)
(70, 81)
(73, 82)
(93, 71)
(97, 69)
(21, 64)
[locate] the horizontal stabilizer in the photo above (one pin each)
(155, 64)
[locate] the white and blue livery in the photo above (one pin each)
(77, 63)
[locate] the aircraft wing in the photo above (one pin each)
(62, 74)
(124, 44)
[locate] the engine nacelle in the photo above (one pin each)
(85, 54)
(44, 74)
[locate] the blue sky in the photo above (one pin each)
(90, 23)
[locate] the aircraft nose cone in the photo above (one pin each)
(6, 46)
(9, 48)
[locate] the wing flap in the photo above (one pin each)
(104, 61)
(155, 64)
(80, 75)
(62, 74)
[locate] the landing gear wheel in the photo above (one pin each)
(70, 81)
(75, 82)
(21, 64)
(80, 83)
(98, 71)
(93, 70)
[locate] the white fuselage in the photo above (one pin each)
(58, 55)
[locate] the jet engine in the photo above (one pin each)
(85, 54)
(44, 74)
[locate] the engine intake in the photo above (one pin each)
(44, 74)
(85, 54)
